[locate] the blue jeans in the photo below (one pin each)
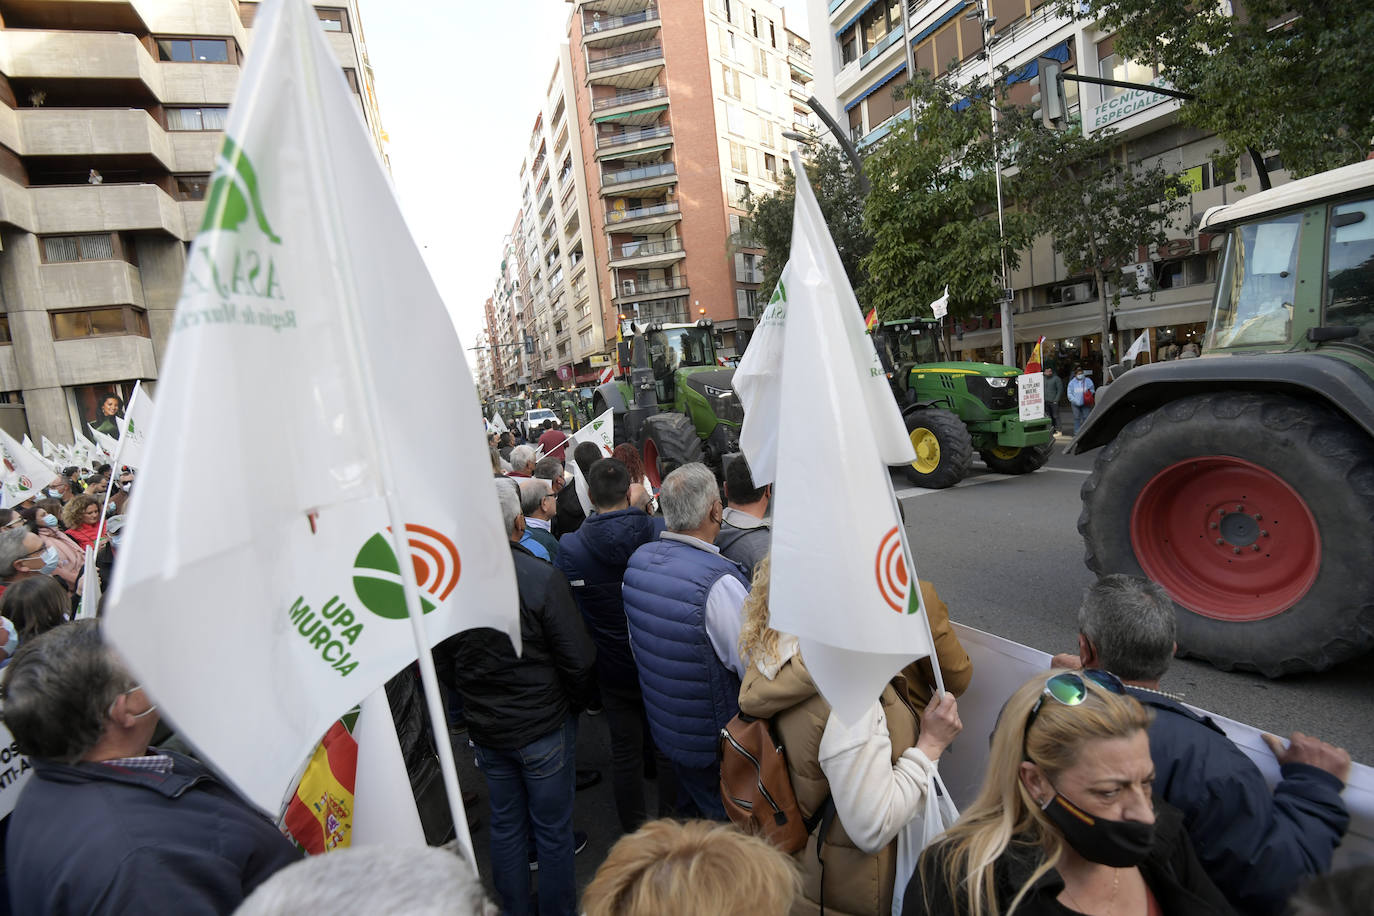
(1080, 416)
(533, 784)
(702, 787)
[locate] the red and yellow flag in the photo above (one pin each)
(871, 319)
(320, 815)
(1033, 365)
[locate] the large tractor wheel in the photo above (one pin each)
(1017, 460)
(670, 441)
(944, 448)
(1256, 514)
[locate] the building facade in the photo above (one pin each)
(860, 61)
(111, 115)
(680, 111)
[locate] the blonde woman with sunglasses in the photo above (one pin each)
(1066, 821)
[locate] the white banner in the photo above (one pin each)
(1000, 666)
(1030, 394)
(15, 771)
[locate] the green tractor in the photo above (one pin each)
(953, 409)
(678, 404)
(1243, 482)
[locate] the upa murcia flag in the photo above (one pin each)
(257, 633)
(842, 580)
(600, 431)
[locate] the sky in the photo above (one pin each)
(459, 85)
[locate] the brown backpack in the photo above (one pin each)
(756, 788)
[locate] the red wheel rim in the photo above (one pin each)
(651, 463)
(1226, 538)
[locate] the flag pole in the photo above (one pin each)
(352, 324)
(911, 573)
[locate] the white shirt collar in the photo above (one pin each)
(542, 523)
(689, 540)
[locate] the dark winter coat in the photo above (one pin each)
(1257, 844)
(1171, 871)
(88, 838)
(569, 516)
(510, 700)
(594, 558)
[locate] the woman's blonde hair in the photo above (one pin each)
(758, 642)
(72, 511)
(1004, 808)
(669, 868)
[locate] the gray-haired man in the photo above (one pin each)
(684, 604)
(108, 824)
(1256, 845)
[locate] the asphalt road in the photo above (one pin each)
(1005, 555)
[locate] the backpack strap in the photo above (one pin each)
(824, 816)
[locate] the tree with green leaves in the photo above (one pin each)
(932, 211)
(1097, 210)
(841, 202)
(1285, 75)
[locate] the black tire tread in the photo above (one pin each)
(956, 448)
(676, 438)
(1032, 458)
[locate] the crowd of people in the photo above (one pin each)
(648, 607)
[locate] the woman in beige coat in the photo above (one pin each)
(875, 769)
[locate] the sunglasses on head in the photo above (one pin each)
(1071, 689)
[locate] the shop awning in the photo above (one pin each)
(1159, 316)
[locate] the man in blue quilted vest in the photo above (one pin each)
(684, 603)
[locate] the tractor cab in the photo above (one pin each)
(903, 344)
(671, 348)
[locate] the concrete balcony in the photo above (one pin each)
(27, 54)
(630, 67)
(636, 290)
(599, 31)
(622, 181)
(90, 283)
(646, 220)
(621, 143)
(71, 209)
(88, 361)
(652, 253)
(93, 132)
(195, 150)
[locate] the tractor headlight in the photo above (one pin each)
(996, 382)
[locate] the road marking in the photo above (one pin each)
(1067, 470)
(966, 482)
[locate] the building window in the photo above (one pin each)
(740, 195)
(772, 34)
(762, 63)
(192, 187)
(1114, 67)
(755, 23)
(195, 50)
(332, 20)
(4, 337)
(60, 249)
(731, 80)
(728, 15)
(770, 164)
(247, 13)
(110, 321)
(584, 338)
(352, 76)
(739, 158)
(197, 118)
(849, 45)
(879, 21)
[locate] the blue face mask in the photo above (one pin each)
(50, 560)
(50, 521)
(54, 493)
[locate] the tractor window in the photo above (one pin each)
(1254, 302)
(1350, 269)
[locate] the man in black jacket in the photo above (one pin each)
(1257, 845)
(521, 714)
(106, 823)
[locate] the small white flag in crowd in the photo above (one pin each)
(842, 579)
(940, 307)
(256, 633)
(1141, 345)
(496, 424)
(600, 431)
(25, 472)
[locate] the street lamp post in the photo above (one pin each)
(1008, 343)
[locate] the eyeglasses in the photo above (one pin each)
(17, 523)
(1070, 689)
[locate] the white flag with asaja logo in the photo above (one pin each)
(25, 473)
(133, 429)
(842, 581)
(255, 632)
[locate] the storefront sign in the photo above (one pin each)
(1030, 392)
(598, 360)
(1192, 178)
(1119, 107)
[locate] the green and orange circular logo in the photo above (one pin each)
(377, 573)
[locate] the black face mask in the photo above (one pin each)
(1118, 844)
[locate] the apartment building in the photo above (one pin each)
(859, 60)
(680, 111)
(110, 117)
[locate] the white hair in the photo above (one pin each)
(521, 457)
(372, 880)
(508, 494)
(532, 493)
(687, 496)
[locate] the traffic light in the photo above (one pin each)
(1054, 105)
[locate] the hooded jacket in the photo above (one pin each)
(594, 558)
(856, 882)
(88, 838)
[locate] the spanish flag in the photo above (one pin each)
(871, 319)
(1033, 365)
(320, 815)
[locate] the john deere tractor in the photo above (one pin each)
(953, 409)
(1243, 482)
(677, 406)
